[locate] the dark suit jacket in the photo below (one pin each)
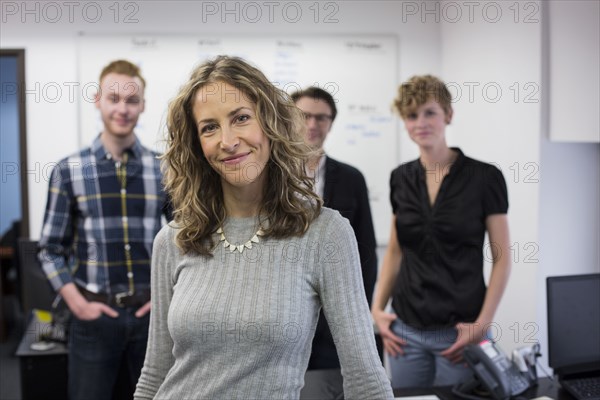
(346, 191)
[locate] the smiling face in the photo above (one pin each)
(230, 136)
(120, 101)
(426, 125)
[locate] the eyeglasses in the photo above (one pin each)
(320, 118)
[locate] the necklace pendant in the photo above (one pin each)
(239, 247)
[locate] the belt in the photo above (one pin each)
(122, 299)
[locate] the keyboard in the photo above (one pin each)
(583, 388)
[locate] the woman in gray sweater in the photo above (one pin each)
(240, 276)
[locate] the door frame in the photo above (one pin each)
(20, 55)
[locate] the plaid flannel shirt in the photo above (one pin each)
(101, 219)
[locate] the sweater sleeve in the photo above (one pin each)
(159, 353)
(344, 303)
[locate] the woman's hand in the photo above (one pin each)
(467, 333)
(391, 343)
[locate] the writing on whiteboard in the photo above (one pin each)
(143, 42)
(363, 45)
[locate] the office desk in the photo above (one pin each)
(545, 387)
(6, 262)
(43, 373)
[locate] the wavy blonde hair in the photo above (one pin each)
(289, 201)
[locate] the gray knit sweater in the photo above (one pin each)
(239, 326)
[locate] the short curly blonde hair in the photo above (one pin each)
(418, 90)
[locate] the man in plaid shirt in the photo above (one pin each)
(104, 208)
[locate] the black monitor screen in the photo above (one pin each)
(574, 322)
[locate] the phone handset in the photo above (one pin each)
(494, 371)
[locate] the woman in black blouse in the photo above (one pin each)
(443, 204)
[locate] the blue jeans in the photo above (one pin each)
(97, 349)
(421, 365)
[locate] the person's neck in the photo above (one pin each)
(437, 157)
(116, 145)
(242, 202)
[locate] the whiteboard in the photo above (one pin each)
(361, 72)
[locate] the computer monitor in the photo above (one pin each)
(573, 323)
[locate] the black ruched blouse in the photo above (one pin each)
(441, 278)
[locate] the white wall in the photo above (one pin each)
(569, 44)
(557, 214)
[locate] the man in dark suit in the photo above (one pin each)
(344, 189)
